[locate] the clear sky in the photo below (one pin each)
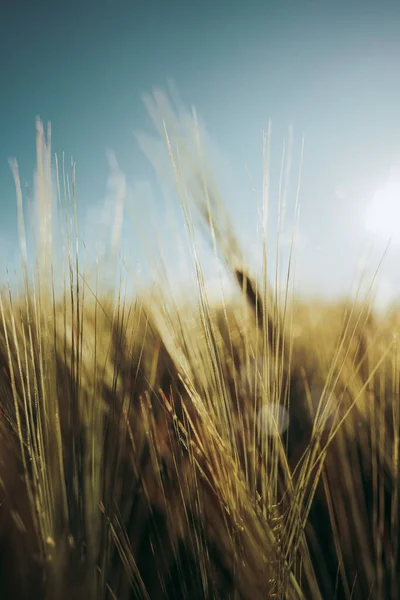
(329, 69)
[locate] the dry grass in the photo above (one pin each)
(134, 462)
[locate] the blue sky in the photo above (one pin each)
(331, 70)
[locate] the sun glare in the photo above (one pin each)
(383, 215)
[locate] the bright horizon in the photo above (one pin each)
(328, 72)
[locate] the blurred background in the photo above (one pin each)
(325, 72)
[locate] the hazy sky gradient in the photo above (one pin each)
(330, 69)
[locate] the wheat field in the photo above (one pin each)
(150, 448)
